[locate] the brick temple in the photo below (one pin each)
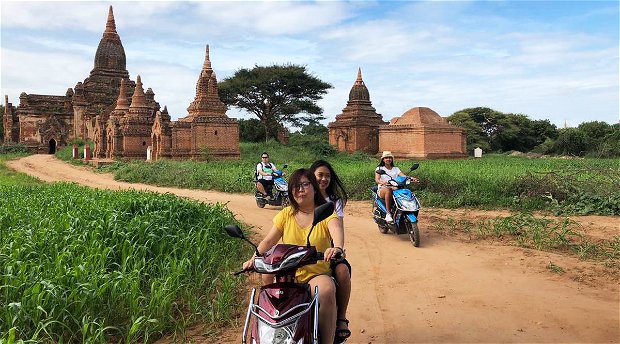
(419, 133)
(120, 117)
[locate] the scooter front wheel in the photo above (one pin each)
(260, 204)
(414, 233)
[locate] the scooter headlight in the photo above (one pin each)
(408, 204)
(279, 335)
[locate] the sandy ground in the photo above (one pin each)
(447, 291)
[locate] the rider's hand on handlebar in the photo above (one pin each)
(333, 252)
(414, 180)
(248, 264)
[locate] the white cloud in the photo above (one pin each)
(443, 55)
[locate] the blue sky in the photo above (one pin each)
(556, 60)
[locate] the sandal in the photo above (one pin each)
(343, 333)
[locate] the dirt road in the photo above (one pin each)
(447, 290)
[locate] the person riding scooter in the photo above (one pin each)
(264, 176)
(293, 224)
(391, 172)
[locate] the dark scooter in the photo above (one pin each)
(285, 311)
(279, 196)
(405, 208)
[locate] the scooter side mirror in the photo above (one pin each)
(414, 166)
(320, 213)
(285, 166)
(234, 231)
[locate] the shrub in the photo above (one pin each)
(13, 148)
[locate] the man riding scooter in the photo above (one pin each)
(264, 176)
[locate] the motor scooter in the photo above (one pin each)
(285, 311)
(279, 196)
(404, 210)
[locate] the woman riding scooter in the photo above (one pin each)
(391, 172)
(292, 224)
(333, 191)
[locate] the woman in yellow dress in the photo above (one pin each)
(292, 224)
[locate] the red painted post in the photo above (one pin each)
(87, 152)
(76, 154)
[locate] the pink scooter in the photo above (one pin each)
(285, 312)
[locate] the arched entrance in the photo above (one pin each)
(52, 146)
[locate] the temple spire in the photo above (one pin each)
(207, 64)
(359, 80)
(121, 102)
(139, 98)
(110, 25)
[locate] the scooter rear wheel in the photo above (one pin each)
(260, 204)
(414, 233)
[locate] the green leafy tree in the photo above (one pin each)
(317, 130)
(570, 141)
(276, 95)
(475, 136)
(610, 145)
(251, 130)
(595, 132)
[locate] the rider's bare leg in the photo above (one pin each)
(261, 188)
(388, 199)
(386, 194)
(343, 292)
(327, 310)
(267, 278)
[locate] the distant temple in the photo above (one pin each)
(419, 133)
(120, 117)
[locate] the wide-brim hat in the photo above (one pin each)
(387, 154)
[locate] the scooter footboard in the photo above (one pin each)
(283, 314)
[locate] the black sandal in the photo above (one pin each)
(343, 333)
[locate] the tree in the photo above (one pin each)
(595, 132)
(570, 141)
(317, 130)
(276, 94)
(248, 132)
(475, 136)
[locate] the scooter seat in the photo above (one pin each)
(374, 188)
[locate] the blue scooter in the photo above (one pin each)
(405, 208)
(279, 196)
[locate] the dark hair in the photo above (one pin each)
(335, 190)
(294, 179)
(382, 163)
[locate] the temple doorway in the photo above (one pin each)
(52, 149)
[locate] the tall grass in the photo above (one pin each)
(82, 265)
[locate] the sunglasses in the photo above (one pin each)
(301, 185)
(265, 157)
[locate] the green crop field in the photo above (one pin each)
(83, 265)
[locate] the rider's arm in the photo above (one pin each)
(336, 231)
(259, 170)
(378, 178)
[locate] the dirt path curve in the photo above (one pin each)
(445, 291)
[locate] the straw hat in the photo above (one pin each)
(387, 154)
